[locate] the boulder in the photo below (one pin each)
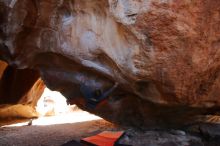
(162, 53)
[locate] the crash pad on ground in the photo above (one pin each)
(106, 138)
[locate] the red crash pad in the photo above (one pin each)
(106, 138)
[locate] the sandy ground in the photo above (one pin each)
(51, 135)
(57, 130)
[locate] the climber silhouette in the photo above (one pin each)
(95, 97)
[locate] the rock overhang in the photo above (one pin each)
(163, 54)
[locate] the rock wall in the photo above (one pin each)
(163, 53)
(19, 92)
(15, 84)
(3, 66)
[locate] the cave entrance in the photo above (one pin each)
(25, 99)
(50, 108)
(32, 114)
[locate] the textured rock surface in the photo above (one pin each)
(3, 66)
(163, 53)
(33, 95)
(160, 138)
(19, 92)
(18, 95)
(15, 84)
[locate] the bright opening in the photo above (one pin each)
(52, 108)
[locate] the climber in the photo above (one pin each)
(95, 97)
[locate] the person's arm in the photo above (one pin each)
(108, 92)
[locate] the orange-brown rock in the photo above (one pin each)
(3, 66)
(19, 92)
(15, 84)
(163, 53)
(33, 95)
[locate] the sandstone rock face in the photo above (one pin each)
(163, 53)
(16, 84)
(19, 92)
(3, 66)
(33, 95)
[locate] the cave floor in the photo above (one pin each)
(57, 130)
(50, 135)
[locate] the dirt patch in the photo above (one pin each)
(49, 135)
